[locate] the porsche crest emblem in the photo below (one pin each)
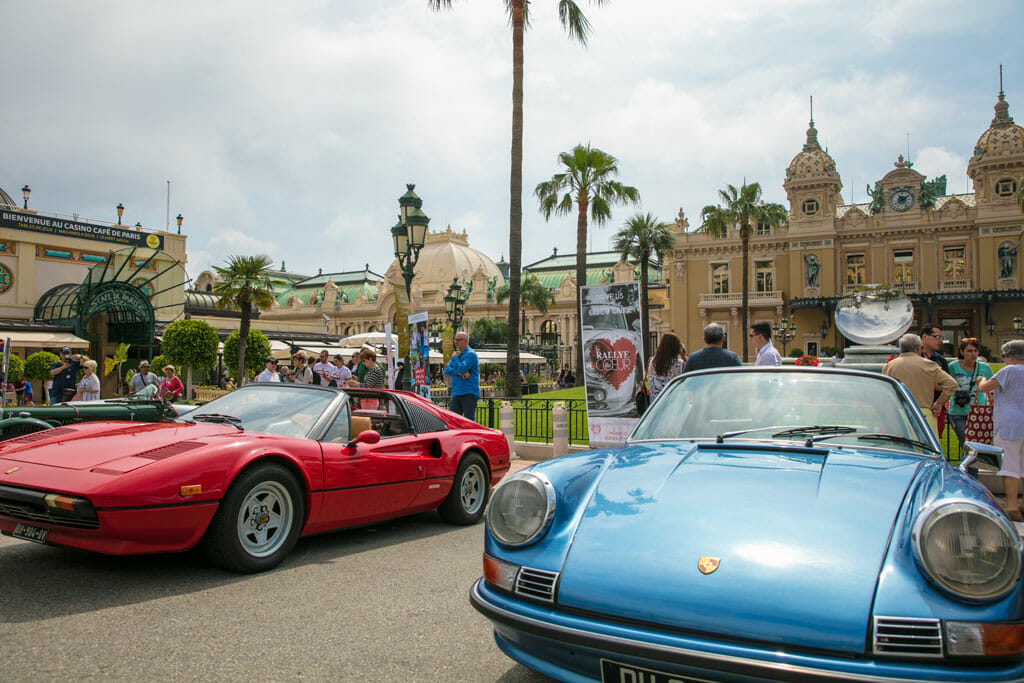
(12, 470)
(708, 565)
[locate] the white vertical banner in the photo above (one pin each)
(613, 359)
(390, 355)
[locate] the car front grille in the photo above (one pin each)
(899, 637)
(29, 506)
(537, 583)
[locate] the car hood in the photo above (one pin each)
(92, 445)
(799, 534)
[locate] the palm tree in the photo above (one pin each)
(578, 28)
(743, 206)
(587, 183)
(644, 235)
(532, 293)
(247, 281)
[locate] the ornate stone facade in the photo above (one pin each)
(955, 255)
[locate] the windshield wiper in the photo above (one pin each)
(811, 430)
(898, 439)
(218, 418)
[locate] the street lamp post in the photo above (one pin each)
(455, 304)
(179, 219)
(120, 212)
(409, 234)
(25, 192)
(784, 331)
(1017, 324)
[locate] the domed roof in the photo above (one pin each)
(446, 255)
(1003, 139)
(812, 163)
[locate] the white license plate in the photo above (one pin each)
(615, 672)
(28, 532)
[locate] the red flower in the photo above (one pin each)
(808, 360)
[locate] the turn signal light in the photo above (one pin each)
(191, 490)
(501, 574)
(55, 500)
(990, 640)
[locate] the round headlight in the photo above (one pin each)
(968, 550)
(521, 509)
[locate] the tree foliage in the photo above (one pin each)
(258, 347)
(37, 366)
(587, 185)
(742, 208)
(191, 343)
(15, 368)
(489, 331)
(642, 236)
(245, 282)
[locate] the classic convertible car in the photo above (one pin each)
(247, 474)
(790, 524)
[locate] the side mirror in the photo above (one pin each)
(988, 454)
(370, 436)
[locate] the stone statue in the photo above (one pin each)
(813, 266)
(1007, 259)
(877, 198)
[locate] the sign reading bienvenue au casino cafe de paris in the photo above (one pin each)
(18, 220)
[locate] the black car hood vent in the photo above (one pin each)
(169, 450)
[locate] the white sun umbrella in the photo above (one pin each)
(372, 338)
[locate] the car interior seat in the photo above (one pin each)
(360, 424)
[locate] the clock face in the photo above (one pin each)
(901, 199)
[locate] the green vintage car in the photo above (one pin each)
(143, 406)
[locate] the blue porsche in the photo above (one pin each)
(787, 524)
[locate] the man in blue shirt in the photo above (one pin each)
(464, 369)
(65, 375)
(712, 355)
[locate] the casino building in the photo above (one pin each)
(85, 284)
(956, 256)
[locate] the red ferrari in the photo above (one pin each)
(247, 474)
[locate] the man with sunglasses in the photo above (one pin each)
(931, 348)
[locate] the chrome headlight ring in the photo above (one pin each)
(956, 544)
(521, 509)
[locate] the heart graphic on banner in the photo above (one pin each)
(614, 361)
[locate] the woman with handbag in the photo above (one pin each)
(1008, 385)
(966, 371)
(666, 363)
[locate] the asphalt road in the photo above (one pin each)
(383, 603)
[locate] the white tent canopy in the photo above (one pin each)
(45, 340)
(374, 338)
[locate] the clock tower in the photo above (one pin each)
(812, 185)
(899, 192)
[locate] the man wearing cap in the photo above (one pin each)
(65, 375)
(269, 373)
(143, 378)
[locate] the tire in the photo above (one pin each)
(237, 540)
(471, 489)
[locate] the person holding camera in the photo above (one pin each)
(966, 371)
(65, 376)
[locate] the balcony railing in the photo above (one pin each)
(905, 287)
(963, 285)
(736, 298)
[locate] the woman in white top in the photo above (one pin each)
(666, 363)
(89, 386)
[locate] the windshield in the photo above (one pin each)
(785, 405)
(273, 408)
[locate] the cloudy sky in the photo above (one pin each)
(291, 128)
